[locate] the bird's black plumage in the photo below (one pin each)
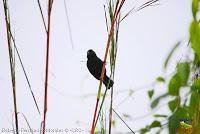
(94, 65)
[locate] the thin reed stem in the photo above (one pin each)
(69, 26)
(123, 121)
(102, 102)
(42, 15)
(26, 76)
(110, 115)
(12, 63)
(47, 65)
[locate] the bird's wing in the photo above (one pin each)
(100, 65)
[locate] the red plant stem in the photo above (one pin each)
(105, 57)
(11, 65)
(47, 66)
(95, 112)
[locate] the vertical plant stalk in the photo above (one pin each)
(47, 65)
(69, 26)
(101, 105)
(116, 12)
(12, 63)
(45, 27)
(113, 55)
(110, 115)
(23, 68)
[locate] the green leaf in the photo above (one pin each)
(174, 119)
(155, 124)
(160, 79)
(174, 85)
(194, 8)
(194, 100)
(130, 92)
(150, 93)
(195, 36)
(170, 54)
(156, 101)
(173, 104)
(114, 123)
(160, 116)
(179, 79)
(196, 84)
(196, 60)
(127, 116)
(183, 70)
(144, 130)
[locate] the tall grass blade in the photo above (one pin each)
(69, 26)
(123, 121)
(12, 63)
(26, 76)
(42, 15)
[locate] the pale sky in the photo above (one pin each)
(145, 39)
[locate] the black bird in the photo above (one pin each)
(94, 65)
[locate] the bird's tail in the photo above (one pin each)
(108, 82)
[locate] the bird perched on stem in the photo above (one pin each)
(95, 65)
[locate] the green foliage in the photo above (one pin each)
(150, 93)
(144, 130)
(194, 100)
(160, 116)
(184, 105)
(179, 79)
(196, 84)
(170, 54)
(183, 72)
(195, 6)
(127, 116)
(130, 92)
(156, 101)
(195, 36)
(160, 79)
(195, 96)
(113, 123)
(174, 85)
(154, 124)
(173, 104)
(175, 119)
